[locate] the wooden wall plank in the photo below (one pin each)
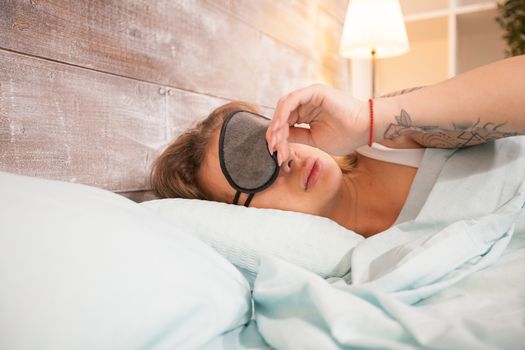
(185, 109)
(72, 124)
(337, 8)
(189, 45)
(303, 25)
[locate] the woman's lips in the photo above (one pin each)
(311, 173)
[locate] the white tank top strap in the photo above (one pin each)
(406, 156)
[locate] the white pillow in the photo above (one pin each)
(84, 268)
(243, 235)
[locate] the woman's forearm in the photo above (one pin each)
(483, 104)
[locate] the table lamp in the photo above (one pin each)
(373, 29)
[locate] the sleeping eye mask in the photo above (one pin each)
(243, 154)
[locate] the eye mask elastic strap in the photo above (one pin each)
(250, 196)
(236, 198)
(248, 200)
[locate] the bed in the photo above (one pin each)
(83, 268)
(90, 91)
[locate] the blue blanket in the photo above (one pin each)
(449, 275)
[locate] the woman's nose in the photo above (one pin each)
(288, 163)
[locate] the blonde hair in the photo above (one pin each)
(174, 172)
(347, 163)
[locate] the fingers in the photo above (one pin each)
(283, 153)
(296, 107)
(295, 135)
(286, 111)
(291, 134)
(283, 148)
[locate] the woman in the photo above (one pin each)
(478, 106)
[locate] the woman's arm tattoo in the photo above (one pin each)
(436, 137)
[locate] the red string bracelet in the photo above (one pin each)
(371, 104)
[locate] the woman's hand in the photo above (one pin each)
(338, 122)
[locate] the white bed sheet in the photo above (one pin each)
(451, 276)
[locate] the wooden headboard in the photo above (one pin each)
(91, 91)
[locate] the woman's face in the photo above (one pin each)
(308, 181)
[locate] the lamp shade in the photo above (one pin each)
(374, 24)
